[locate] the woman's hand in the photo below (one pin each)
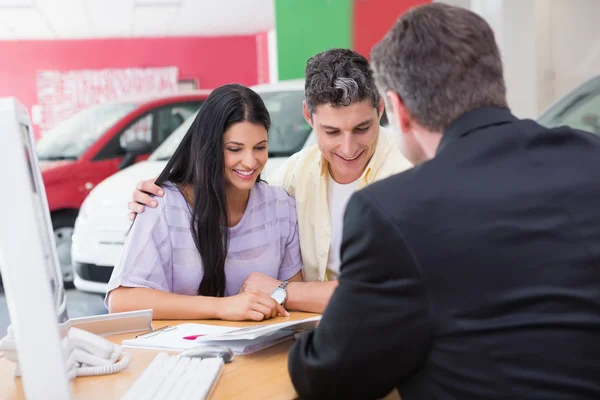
(254, 306)
(142, 197)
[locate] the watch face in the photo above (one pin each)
(279, 295)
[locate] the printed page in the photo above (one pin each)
(253, 332)
(180, 337)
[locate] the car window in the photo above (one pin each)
(584, 114)
(168, 147)
(141, 129)
(169, 119)
(289, 130)
(153, 127)
(579, 109)
(72, 137)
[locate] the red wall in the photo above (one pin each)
(373, 18)
(212, 61)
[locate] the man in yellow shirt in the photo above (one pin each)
(344, 108)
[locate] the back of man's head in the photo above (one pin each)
(442, 61)
(339, 77)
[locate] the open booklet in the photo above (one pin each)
(241, 340)
(262, 331)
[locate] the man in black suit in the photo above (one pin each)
(475, 275)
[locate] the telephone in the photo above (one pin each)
(86, 354)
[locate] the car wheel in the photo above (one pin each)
(63, 226)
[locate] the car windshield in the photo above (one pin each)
(288, 133)
(72, 137)
(580, 109)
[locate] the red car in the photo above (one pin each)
(97, 142)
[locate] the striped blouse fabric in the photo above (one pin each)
(160, 253)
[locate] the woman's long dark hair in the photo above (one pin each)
(199, 161)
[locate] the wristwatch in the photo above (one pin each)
(280, 293)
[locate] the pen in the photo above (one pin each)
(156, 331)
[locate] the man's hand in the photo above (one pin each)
(260, 282)
(142, 197)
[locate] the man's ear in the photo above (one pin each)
(306, 113)
(381, 109)
(398, 112)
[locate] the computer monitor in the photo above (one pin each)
(28, 260)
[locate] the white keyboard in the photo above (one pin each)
(171, 377)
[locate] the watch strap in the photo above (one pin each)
(283, 286)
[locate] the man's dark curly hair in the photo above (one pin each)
(339, 77)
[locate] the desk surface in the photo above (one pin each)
(262, 375)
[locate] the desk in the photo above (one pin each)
(262, 375)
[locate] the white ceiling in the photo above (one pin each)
(79, 19)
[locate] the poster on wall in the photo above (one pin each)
(61, 94)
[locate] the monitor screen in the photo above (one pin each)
(45, 231)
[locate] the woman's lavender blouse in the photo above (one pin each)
(160, 253)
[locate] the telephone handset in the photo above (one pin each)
(92, 355)
(87, 354)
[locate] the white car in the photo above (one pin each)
(102, 222)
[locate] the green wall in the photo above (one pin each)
(307, 27)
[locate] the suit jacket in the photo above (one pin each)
(473, 276)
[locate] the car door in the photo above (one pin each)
(152, 127)
(106, 161)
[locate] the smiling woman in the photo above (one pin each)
(216, 223)
(245, 154)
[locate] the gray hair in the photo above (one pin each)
(339, 77)
(349, 89)
(442, 61)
